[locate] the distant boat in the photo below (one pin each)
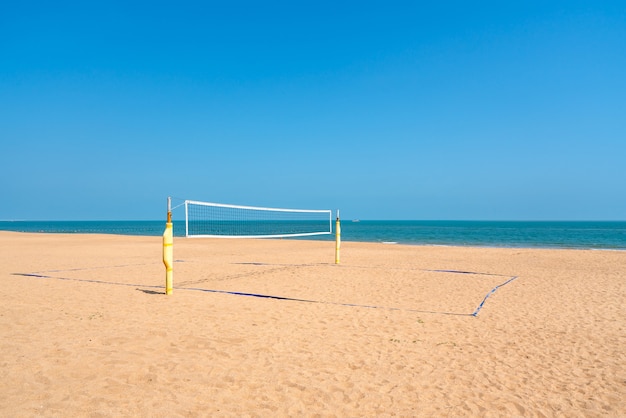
(355, 220)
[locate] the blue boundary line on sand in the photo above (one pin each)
(258, 295)
(474, 314)
(490, 293)
(43, 276)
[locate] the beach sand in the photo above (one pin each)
(86, 330)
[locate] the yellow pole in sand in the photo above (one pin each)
(337, 238)
(168, 250)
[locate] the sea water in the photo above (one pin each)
(596, 235)
(557, 234)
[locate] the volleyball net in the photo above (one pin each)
(218, 220)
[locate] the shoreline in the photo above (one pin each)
(343, 239)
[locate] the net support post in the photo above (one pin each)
(337, 238)
(168, 250)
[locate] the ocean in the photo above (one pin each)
(535, 234)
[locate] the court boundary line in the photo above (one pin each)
(474, 314)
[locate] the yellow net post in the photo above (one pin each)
(337, 238)
(168, 250)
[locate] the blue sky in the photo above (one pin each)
(385, 110)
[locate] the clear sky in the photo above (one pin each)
(475, 110)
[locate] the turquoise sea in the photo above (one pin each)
(582, 235)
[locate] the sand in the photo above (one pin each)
(86, 330)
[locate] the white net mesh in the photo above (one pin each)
(204, 219)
